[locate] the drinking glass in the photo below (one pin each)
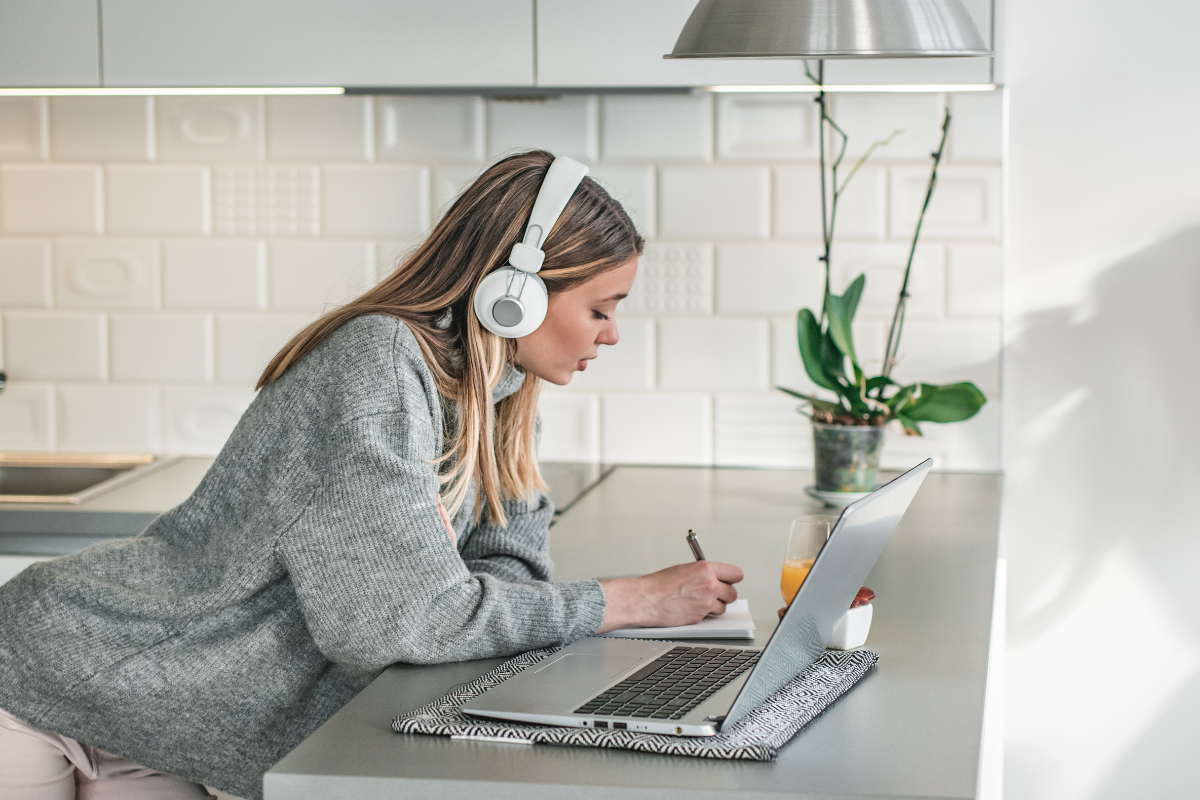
(804, 543)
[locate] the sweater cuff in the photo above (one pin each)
(586, 604)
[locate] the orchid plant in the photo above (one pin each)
(826, 341)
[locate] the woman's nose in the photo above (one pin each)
(609, 334)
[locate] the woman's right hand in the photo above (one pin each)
(679, 595)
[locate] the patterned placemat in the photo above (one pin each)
(759, 736)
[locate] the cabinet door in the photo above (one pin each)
(318, 43)
(49, 43)
(11, 566)
(622, 43)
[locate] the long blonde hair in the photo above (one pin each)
(492, 444)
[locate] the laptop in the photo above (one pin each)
(688, 690)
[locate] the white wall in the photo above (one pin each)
(1100, 435)
(154, 253)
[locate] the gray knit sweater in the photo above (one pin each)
(310, 558)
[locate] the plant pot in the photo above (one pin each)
(847, 456)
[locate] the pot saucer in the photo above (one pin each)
(834, 499)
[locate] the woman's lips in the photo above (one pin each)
(581, 365)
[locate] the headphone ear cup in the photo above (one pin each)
(533, 298)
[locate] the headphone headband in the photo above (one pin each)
(558, 187)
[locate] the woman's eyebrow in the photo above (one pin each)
(620, 296)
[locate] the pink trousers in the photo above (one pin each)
(39, 765)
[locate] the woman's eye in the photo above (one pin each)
(600, 315)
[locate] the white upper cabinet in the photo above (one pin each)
(49, 43)
(355, 43)
(622, 43)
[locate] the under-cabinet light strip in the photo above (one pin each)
(829, 89)
(161, 91)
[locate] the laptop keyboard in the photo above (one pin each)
(673, 684)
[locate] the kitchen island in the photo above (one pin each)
(912, 728)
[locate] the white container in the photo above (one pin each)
(851, 630)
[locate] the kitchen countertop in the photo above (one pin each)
(910, 729)
(38, 529)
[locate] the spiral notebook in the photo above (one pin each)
(735, 623)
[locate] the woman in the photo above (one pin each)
(318, 550)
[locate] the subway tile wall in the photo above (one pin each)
(156, 252)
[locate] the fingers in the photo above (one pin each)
(729, 573)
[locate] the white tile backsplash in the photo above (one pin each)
(966, 204)
(108, 418)
(317, 128)
(713, 354)
(106, 273)
(976, 126)
(872, 116)
(570, 427)
(246, 343)
(198, 419)
(673, 278)
(266, 201)
(975, 278)
(767, 127)
(633, 188)
(214, 273)
(139, 304)
(53, 346)
(374, 200)
(768, 277)
(761, 430)
(565, 126)
(23, 129)
(100, 128)
(155, 199)
(449, 181)
(950, 351)
(656, 428)
(429, 128)
(51, 198)
(24, 273)
(209, 128)
(627, 365)
(309, 275)
(27, 417)
(170, 348)
(721, 202)
(883, 264)
(861, 208)
(656, 128)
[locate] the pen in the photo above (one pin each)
(694, 543)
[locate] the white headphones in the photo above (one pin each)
(511, 301)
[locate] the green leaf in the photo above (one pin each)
(810, 340)
(831, 358)
(909, 425)
(953, 402)
(853, 294)
(817, 403)
(841, 311)
(878, 382)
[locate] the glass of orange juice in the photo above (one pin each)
(804, 543)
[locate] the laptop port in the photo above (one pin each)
(619, 726)
(599, 723)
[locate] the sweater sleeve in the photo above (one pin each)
(379, 581)
(519, 551)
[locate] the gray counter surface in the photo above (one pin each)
(42, 529)
(911, 729)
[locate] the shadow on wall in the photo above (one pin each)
(1102, 525)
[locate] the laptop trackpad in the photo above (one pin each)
(574, 667)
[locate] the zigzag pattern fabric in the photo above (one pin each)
(757, 737)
